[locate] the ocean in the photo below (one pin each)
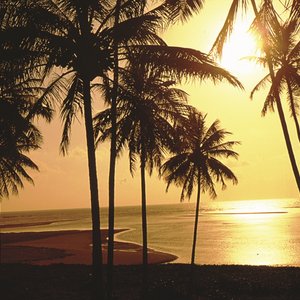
(252, 232)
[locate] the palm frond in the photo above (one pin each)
(295, 10)
(221, 172)
(72, 104)
(269, 103)
(258, 60)
(179, 63)
(228, 26)
(140, 30)
(261, 84)
(184, 9)
(198, 157)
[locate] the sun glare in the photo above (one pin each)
(241, 44)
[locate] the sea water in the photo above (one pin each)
(253, 232)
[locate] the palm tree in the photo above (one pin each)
(284, 50)
(55, 35)
(147, 107)
(18, 134)
(113, 154)
(262, 18)
(196, 161)
(17, 137)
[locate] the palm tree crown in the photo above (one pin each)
(148, 105)
(19, 105)
(197, 156)
(284, 50)
(264, 22)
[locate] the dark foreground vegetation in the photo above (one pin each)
(170, 281)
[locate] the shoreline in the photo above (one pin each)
(70, 247)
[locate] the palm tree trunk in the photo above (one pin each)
(112, 167)
(293, 108)
(97, 262)
(144, 222)
(95, 210)
(196, 220)
(280, 112)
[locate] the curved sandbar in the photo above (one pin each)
(70, 247)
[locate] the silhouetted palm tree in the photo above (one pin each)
(148, 105)
(196, 161)
(262, 19)
(284, 51)
(57, 34)
(18, 134)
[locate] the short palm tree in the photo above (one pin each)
(196, 161)
(264, 18)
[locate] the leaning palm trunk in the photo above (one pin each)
(196, 220)
(97, 245)
(293, 108)
(113, 154)
(144, 221)
(280, 111)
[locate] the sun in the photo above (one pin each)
(240, 45)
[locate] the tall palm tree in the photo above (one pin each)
(284, 50)
(262, 18)
(196, 161)
(113, 154)
(147, 107)
(56, 34)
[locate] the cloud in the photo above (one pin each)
(123, 181)
(78, 152)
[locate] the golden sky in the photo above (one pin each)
(263, 169)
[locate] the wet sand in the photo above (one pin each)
(69, 247)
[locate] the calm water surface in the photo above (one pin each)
(256, 232)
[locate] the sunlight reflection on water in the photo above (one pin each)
(261, 239)
(253, 238)
(256, 232)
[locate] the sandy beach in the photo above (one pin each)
(69, 247)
